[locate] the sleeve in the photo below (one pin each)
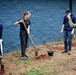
(1, 29)
(29, 22)
(74, 20)
(64, 20)
(73, 25)
(19, 20)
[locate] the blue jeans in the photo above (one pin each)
(67, 41)
(24, 41)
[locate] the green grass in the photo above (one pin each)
(25, 62)
(33, 72)
(41, 71)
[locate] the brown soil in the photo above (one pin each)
(57, 48)
(74, 44)
(43, 56)
(36, 52)
(63, 64)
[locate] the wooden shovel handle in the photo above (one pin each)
(29, 36)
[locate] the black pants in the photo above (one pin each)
(24, 41)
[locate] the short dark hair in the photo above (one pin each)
(68, 11)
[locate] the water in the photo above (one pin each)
(46, 20)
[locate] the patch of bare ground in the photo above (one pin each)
(62, 64)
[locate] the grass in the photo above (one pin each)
(41, 71)
(33, 72)
(17, 62)
(59, 64)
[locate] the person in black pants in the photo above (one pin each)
(23, 32)
(1, 50)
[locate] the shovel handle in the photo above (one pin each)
(32, 41)
(29, 36)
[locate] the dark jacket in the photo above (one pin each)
(66, 23)
(1, 29)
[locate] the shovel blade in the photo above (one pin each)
(36, 52)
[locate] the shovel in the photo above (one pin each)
(36, 50)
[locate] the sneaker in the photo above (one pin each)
(69, 53)
(2, 71)
(24, 57)
(64, 52)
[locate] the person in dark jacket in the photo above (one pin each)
(68, 32)
(1, 50)
(23, 32)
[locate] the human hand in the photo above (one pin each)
(68, 16)
(61, 31)
(72, 32)
(28, 31)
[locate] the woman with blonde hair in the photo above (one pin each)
(23, 32)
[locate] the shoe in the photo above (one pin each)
(24, 57)
(64, 52)
(2, 71)
(69, 53)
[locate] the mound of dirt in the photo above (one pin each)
(74, 44)
(57, 48)
(43, 56)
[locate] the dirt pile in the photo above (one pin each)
(42, 56)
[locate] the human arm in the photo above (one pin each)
(63, 25)
(71, 23)
(72, 32)
(62, 29)
(17, 22)
(28, 29)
